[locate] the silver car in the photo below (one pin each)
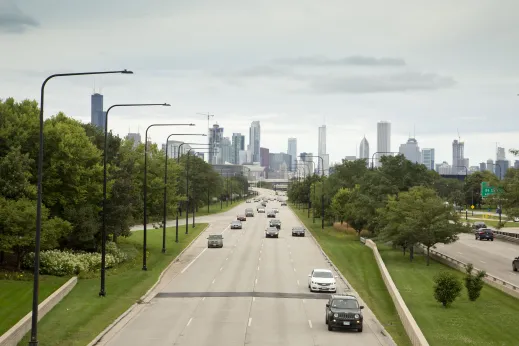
(215, 240)
(298, 231)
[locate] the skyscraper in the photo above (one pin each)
(364, 149)
(97, 116)
(238, 143)
(458, 158)
(292, 151)
(308, 160)
(264, 155)
(383, 140)
(135, 137)
(321, 149)
(411, 151)
(428, 158)
(215, 137)
(224, 151)
(254, 140)
(500, 154)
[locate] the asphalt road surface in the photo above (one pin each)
(253, 291)
(495, 257)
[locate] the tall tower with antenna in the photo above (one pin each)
(211, 149)
(97, 114)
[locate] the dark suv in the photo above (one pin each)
(275, 223)
(344, 311)
(485, 233)
(478, 225)
(515, 264)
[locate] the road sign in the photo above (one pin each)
(487, 190)
(472, 206)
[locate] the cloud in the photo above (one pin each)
(13, 20)
(399, 82)
(354, 60)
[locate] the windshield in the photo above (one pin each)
(345, 304)
(215, 236)
(326, 275)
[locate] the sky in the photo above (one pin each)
(437, 70)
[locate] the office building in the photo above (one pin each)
(173, 149)
(501, 167)
(500, 154)
(516, 164)
(278, 160)
(135, 138)
(292, 151)
(483, 166)
(364, 150)
(458, 157)
(444, 168)
(411, 151)
(97, 116)
(225, 151)
(490, 165)
(238, 143)
(308, 160)
(350, 158)
(215, 137)
(383, 140)
(255, 140)
(321, 149)
(428, 158)
(264, 157)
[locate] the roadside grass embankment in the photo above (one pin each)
(357, 263)
(82, 314)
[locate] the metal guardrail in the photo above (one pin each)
(514, 237)
(505, 284)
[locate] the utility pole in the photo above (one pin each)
(208, 134)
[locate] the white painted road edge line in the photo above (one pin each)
(256, 281)
(310, 323)
(250, 321)
(203, 298)
(226, 228)
(189, 322)
(214, 280)
(297, 282)
(193, 261)
(253, 299)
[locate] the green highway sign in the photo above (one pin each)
(487, 190)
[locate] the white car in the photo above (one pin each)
(322, 280)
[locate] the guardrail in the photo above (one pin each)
(496, 282)
(508, 236)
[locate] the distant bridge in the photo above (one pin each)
(281, 184)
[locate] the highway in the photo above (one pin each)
(253, 291)
(495, 257)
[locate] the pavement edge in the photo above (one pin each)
(379, 328)
(146, 297)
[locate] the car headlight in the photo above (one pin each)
(335, 315)
(357, 316)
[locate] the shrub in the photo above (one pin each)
(474, 283)
(62, 263)
(447, 288)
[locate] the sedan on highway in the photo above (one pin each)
(241, 218)
(275, 223)
(249, 212)
(322, 280)
(283, 204)
(272, 232)
(478, 225)
(215, 240)
(276, 210)
(298, 231)
(344, 311)
(515, 264)
(261, 210)
(485, 233)
(236, 225)
(271, 213)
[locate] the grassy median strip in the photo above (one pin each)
(357, 263)
(82, 315)
(215, 208)
(16, 297)
(491, 320)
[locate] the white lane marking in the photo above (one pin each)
(189, 322)
(221, 268)
(291, 260)
(203, 298)
(213, 281)
(295, 269)
(258, 267)
(297, 282)
(250, 321)
(256, 281)
(193, 261)
(483, 262)
(253, 299)
(260, 259)
(290, 253)
(310, 323)
(303, 300)
(227, 259)
(226, 228)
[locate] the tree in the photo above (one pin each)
(15, 175)
(359, 209)
(510, 195)
(17, 220)
(474, 283)
(339, 202)
(447, 288)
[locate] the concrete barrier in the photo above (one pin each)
(411, 327)
(493, 281)
(14, 335)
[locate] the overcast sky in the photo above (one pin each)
(429, 67)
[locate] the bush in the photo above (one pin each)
(447, 288)
(62, 263)
(474, 283)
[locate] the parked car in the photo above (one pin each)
(261, 210)
(275, 223)
(241, 218)
(515, 264)
(272, 232)
(344, 311)
(485, 233)
(478, 224)
(215, 240)
(322, 280)
(271, 213)
(249, 212)
(298, 231)
(236, 225)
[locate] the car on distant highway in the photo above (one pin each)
(479, 224)
(248, 201)
(485, 233)
(261, 210)
(275, 223)
(276, 210)
(236, 225)
(249, 212)
(322, 280)
(264, 204)
(344, 312)
(271, 213)
(283, 204)
(241, 218)
(215, 240)
(515, 264)
(272, 232)
(298, 231)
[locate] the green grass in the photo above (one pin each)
(491, 320)
(16, 298)
(215, 208)
(494, 223)
(357, 264)
(82, 314)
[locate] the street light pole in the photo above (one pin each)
(498, 193)
(465, 185)
(37, 239)
(102, 291)
(145, 187)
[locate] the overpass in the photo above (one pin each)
(280, 184)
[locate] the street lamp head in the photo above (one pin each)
(125, 71)
(166, 105)
(192, 125)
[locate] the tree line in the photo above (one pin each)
(401, 201)
(73, 182)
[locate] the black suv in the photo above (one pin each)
(485, 233)
(275, 223)
(515, 264)
(479, 224)
(344, 311)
